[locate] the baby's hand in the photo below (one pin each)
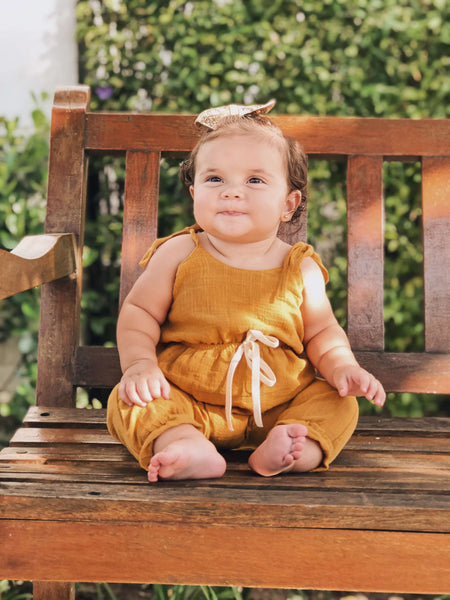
(141, 383)
(355, 381)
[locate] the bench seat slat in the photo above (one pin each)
(300, 557)
(395, 460)
(351, 480)
(343, 509)
(355, 455)
(425, 469)
(48, 416)
(203, 503)
(398, 443)
(55, 442)
(100, 452)
(359, 443)
(390, 474)
(44, 416)
(41, 437)
(19, 497)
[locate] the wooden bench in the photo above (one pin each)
(74, 506)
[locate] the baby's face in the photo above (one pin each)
(240, 189)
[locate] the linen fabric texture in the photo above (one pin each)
(214, 306)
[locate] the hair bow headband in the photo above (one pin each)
(209, 118)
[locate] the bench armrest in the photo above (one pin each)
(37, 259)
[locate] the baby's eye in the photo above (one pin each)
(255, 180)
(214, 179)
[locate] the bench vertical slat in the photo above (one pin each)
(365, 215)
(53, 590)
(436, 249)
(140, 219)
(60, 300)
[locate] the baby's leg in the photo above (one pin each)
(286, 448)
(183, 452)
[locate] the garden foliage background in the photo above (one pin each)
(364, 58)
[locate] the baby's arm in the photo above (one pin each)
(327, 345)
(139, 325)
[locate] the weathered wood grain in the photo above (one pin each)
(192, 554)
(365, 251)
(140, 214)
(36, 260)
(44, 590)
(418, 372)
(44, 416)
(194, 502)
(75, 505)
(320, 136)
(436, 248)
(66, 208)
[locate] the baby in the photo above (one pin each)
(222, 337)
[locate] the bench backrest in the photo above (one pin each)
(77, 133)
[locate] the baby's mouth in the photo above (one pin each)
(232, 213)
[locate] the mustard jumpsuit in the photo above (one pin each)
(238, 329)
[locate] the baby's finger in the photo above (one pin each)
(154, 387)
(121, 392)
(365, 384)
(342, 387)
(376, 393)
(380, 396)
(132, 395)
(340, 382)
(143, 392)
(165, 389)
(370, 388)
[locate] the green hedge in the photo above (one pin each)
(335, 57)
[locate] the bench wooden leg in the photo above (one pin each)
(53, 590)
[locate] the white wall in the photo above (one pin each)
(37, 52)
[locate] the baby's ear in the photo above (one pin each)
(293, 201)
(191, 191)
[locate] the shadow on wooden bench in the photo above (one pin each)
(74, 506)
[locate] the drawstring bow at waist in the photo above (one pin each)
(261, 372)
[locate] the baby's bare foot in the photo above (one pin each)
(280, 450)
(187, 459)
(167, 463)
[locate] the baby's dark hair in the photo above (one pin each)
(295, 159)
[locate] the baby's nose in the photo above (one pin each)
(232, 191)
